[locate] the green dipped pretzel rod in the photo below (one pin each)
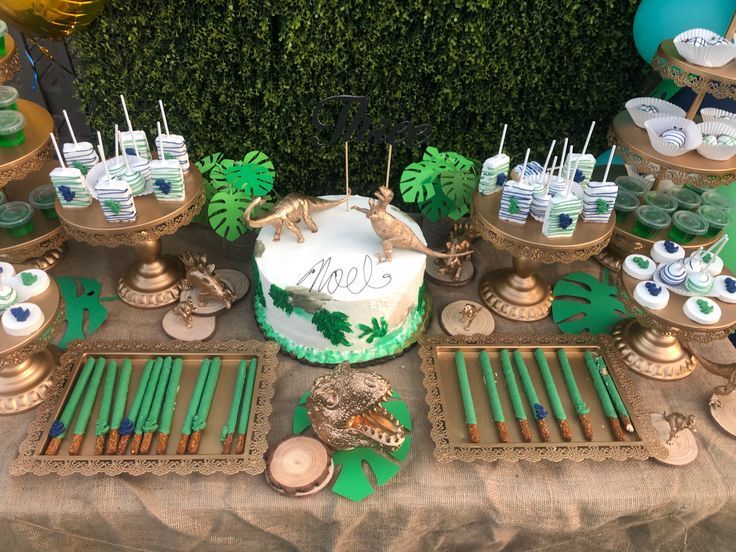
(151, 424)
(186, 428)
(618, 402)
(558, 411)
(118, 411)
(135, 445)
(516, 402)
(167, 413)
(199, 422)
(127, 425)
(496, 406)
(102, 426)
(228, 430)
(600, 388)
(471, 420)
(246, 406)
(581, 408)
(540, 413)
(85, 411)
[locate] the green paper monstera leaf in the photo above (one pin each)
(583, 303)
(438, 206)
(351, 481)
(417, 181)
(225, 213)
(458, 187)
(206, 164)
(254, 176)
(218, 180)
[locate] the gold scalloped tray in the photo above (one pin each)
(31, 458)
(446, 415)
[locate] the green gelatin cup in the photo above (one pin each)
(712, 197)
(626, 203)
(694, 188)
(716, 217)
(686, 226)
(650, 220)
(43, 198)
(3, 30)
(17, 218)
(8, 98)
(12, 124)
(663, 200)
(634, 184)
(686, 199)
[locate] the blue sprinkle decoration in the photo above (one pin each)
(671, 247)
(501, 179)
(126, 427)
(66, 193)
(730, 284)
(131, 152)
(565, 220)
(163, 185)
(653, 288)
(539, 412)
(57, 428)
(579, 176)
(20, 314)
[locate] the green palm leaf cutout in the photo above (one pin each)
(375, 330)
(225, 213)
(459, 186)
(217, 175)
(255, 175)
(206, 164)
(583, 303)
(438, 206)
(417, 181)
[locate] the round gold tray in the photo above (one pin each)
(654, 344)
(520, 293)
(10, 62)
(632, 143)
(717, 81)
(42, 248)
(26, 363)
(17, 162)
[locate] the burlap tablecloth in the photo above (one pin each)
(607, 506)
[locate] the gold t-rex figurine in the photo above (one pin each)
(289, 211)
(393, 232)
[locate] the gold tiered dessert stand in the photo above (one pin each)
(519, 293)
(27, 363)
(655, 343)
(10, 62)
(155, 279)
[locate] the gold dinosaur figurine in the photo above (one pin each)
(458, 243)
(393, 232)
(289, 211)
(678, 422)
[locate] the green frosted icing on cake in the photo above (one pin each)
(333, 325)
(281, 299)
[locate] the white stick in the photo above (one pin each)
(58, 153)
(503, 138)
(608, 165)
(549, 154)
(716, 248)
(160, 142)
(587, 140)
(347, 179)
(523, 168)
(562, 159)
(549, 179)
(69, 124)
(101, 149)
(125, 155)
(569, 178)
(163, 116)
(127, 117)
(388, 167)
(117, 141)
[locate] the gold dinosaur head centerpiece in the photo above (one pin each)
(345, 409)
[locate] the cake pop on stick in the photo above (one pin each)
(172, 145)
(715, 267)
(495, 169)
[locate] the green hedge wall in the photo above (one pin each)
(238, 75)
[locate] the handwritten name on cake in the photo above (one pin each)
(352, 123)
(353, 279)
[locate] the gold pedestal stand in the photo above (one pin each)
(520, 293)
(18, 162)
(10, 62)
(154, 280)
(654, 344)
(27, 363)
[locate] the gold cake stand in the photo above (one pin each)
(519, 293)
(654, 343)
(44, 247)
(16, 163)
(27, 363)
(10, 62)
(154, 280)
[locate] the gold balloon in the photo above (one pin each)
(50, 18)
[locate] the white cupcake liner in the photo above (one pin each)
(715, 152)
(706, 56)
(655, 127)
(719, 115)
(665, 109)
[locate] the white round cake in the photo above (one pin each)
(328, 300)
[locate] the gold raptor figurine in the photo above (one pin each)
(289, 211)
(393, 232)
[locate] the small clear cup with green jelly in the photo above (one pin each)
(712, 197)
(687, 200)
(686, 226)
(3, 30)
(663, 200)
(650, 220)
(17, 218)
(8, 98)
(716, 217)
(12, 124)
(43, 198)
(696, 189)
(634, 184)
(626, 203)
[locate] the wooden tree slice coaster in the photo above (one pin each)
(444, 279)
(203, 327)
(299, 466)
(725, 415)
(236, 281)
(683, 450)
(453, 323)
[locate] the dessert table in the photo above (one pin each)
(552, 506)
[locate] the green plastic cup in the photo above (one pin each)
(3, 30)
(663, 200)
(686, 226)
(716, 217)
(626, 203)
(43, 198)
(686, 199)
(17, 218)
(634, 184)
(694, 188)
(650, 220)
(12, 124)
(8, 98)
(712, 197)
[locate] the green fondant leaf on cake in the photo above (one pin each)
(375, 330)
(583, 303)
(281, 299)
(114, 206)
(332, 325)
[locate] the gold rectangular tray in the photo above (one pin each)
(449, 430)
(210, 459)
